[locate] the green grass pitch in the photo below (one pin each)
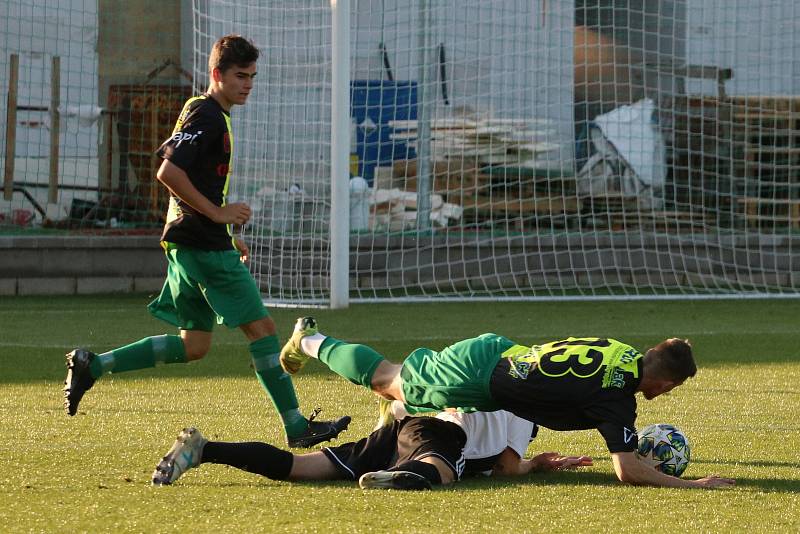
(91, 472)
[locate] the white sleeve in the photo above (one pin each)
(519, 433)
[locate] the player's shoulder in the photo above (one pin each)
(202, 107)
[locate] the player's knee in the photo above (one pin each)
(447, 476)
(196, 348)
(385, 381)
(259, 328)
(195, 353)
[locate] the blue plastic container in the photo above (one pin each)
(373, 103)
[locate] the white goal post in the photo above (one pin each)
(517, 149)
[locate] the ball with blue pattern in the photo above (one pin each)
(665, 448)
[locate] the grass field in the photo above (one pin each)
(91, 472)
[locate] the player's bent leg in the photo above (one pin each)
(399, 480)
(445, 472)
(265, 350)
(84, 367)
(196, 343)
(357, 363)
(314, 466)
(409, 475)
(386, 381)
(186, 453)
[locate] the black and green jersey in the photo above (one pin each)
(573, 384)
(201, 145)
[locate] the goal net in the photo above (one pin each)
(516, 149)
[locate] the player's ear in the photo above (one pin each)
(216, 74)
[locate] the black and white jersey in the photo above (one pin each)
(488, 435)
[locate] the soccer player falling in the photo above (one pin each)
(572, 384)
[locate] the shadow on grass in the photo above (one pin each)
(480, 483)
(753, 463)
(52, 368)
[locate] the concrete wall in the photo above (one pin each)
(46, 265)
(83, 265)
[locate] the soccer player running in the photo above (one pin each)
(207, 281)
(409, 453)
(572, 384)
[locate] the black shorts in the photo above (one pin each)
(411, 438)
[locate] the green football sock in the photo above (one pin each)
(357, 363)
(278, 384)
(140, 355)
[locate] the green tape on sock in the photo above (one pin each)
(278, 385)
(146, 352)
(168, 349)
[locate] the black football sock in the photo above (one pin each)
(424, 469)
(254, 457)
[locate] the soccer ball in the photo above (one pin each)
(665, 448)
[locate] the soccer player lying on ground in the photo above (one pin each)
(207, 281)
(573, 384)
(408, 453)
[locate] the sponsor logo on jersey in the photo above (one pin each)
(180, 137)
(628, 356)
(613, 378)
(620, 364)
(222, 169)
(521, 360)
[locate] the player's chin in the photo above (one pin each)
(243, 98)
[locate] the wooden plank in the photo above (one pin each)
(752, 206)
(55, 126)
(11, 127)
(527, 206)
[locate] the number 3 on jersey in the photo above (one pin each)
(579, 357)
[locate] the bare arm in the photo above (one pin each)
(631, 470)
(509, 463)
(178, 182)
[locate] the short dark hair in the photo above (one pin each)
(232, 50)
(671, 360)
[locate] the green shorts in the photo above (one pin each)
(456, 377)
(204, 287)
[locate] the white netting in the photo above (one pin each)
(525, 149)
(49, 136)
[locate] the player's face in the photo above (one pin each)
(235, 84)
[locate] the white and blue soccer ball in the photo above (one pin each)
(665, 448)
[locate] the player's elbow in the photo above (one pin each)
(626, 477)
(162, 175)
(167, 173)
(631, 475)
(627, 469)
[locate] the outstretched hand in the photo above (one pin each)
(714, 481)
(553, 461)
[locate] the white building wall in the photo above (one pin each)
(758, 39)
(38, 30)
